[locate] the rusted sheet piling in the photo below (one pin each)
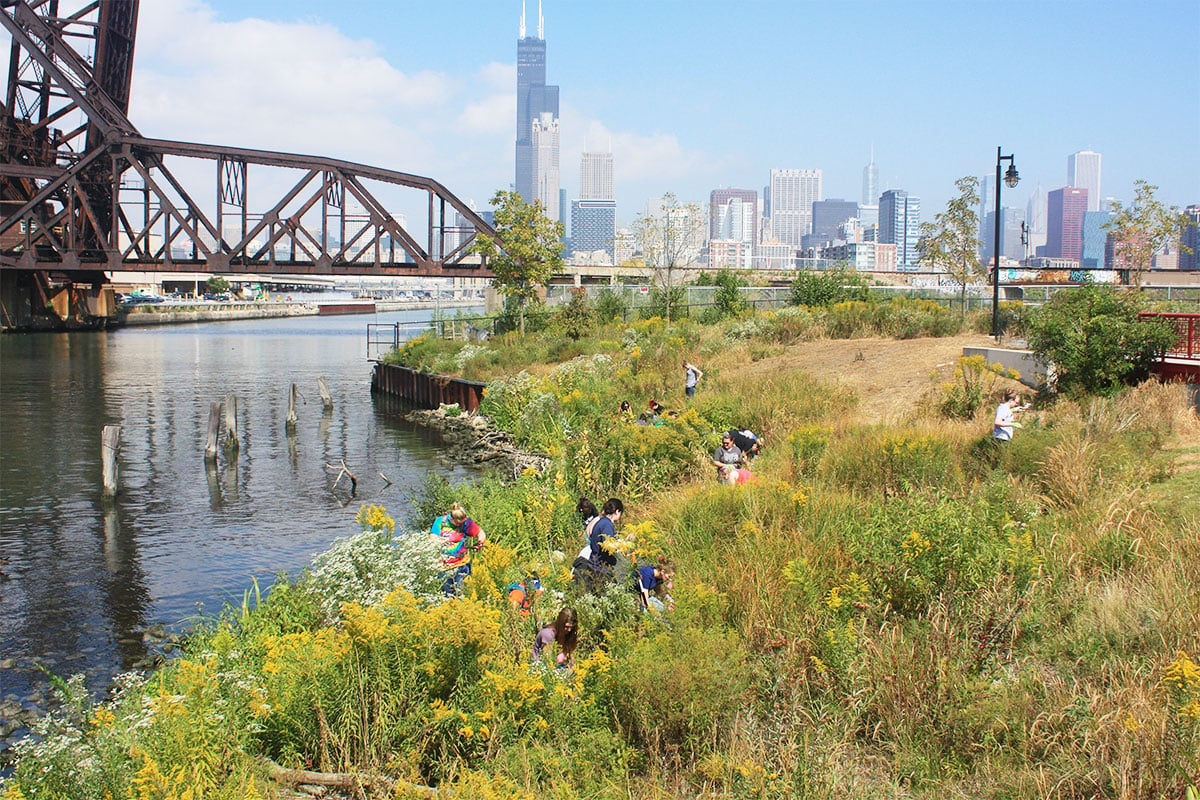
(426, 390)
(110, 442)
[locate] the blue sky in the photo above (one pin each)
(694, 95)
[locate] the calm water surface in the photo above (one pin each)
(82, 577)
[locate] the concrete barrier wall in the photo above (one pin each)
(1032, 371)
(215, 312)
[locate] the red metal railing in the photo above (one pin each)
(1186, 326)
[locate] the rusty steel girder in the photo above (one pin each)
(101, 196)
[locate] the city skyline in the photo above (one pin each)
(432, 91)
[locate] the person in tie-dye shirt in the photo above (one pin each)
(459, 535)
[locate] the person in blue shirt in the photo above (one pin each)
(653, 581)
(603, 561)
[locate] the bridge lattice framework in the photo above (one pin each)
(100, 196)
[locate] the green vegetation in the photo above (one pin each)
(888, 610)
(1094, 339)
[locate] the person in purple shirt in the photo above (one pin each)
(565, 631)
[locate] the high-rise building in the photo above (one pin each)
(545, 164)
(900, 224)
(596, 176)
(594, 226)
(1190, 239)
(1064, 222)
(718, 203)
(1094, 236)
(1083, 172)
(534, 98)
(827, 215)
(1011, 245)
(594, 214)
(870, 186)
(793, 191)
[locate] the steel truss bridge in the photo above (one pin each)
(83, 192)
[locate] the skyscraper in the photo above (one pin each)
(793, 191)
(534, 98)
(594, 214)
(1095, 235)
(870, 187)
(593, 226)
(718, 201)
(827, 215)
(544, 144)
(1191, 240)
(900, 224)
(596, 176)
(1064, 222)
(1083, 172)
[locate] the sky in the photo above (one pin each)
(693, 95)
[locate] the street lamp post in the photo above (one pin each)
(1010, 178)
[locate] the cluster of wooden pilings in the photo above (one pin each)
(110, 438)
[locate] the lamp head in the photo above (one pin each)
(1011, 178)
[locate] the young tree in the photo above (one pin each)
(532, 248)
(1140, 229)
(950, 243)
(670, 240)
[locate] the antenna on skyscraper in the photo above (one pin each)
(522, 19)
(541, 22)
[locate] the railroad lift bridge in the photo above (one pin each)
(83, 193)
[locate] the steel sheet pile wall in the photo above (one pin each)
(425, 390)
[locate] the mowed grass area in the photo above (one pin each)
(895, 605)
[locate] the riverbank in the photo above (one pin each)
(894, 605)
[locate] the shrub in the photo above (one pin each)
(826, 288)
(610, 305)
(1093, 338)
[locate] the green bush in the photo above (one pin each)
(1093, 338)
(826, 288)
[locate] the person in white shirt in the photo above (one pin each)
(1002, 428)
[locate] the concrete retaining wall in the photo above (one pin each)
(215, 312)
(1032, 371)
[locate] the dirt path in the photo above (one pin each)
(889, 375)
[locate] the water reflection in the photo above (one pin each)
(88, 575)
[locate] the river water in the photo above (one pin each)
(82, 577)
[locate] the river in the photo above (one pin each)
(82, 577)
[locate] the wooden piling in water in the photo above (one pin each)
(231, 437)
(326, 397)
(110, 443)
(291, 414)
(214, 428)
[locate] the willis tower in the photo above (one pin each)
(534, 98)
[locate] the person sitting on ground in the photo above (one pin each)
(565, 632)
(747, 442)
(626, 411)
(652, 583)
(455, 529)
(733, 475)
(1002, 428)
(728, 454)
